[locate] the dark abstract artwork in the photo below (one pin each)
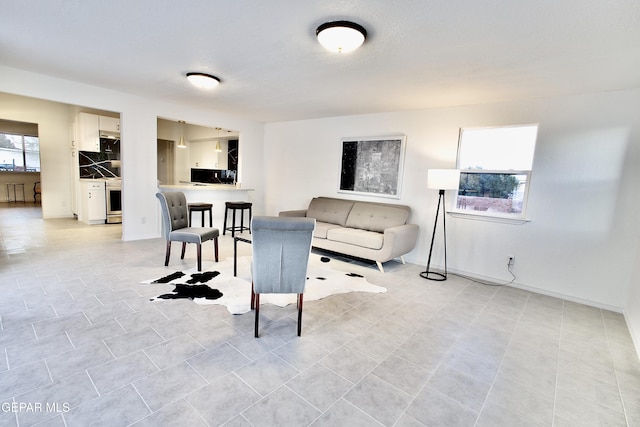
(372, 165)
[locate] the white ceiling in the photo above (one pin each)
(418, 54)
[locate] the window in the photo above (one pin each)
(495, 170)
(19, 147)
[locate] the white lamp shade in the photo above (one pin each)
(443, 179)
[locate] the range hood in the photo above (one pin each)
(109, 134)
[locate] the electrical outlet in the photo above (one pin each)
(511, 260)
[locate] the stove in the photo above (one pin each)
(113, 190)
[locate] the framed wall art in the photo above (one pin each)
(372, 165)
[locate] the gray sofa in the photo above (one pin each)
(368, 230)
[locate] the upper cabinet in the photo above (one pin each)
(203, 155)
(91, 127)
(109, 124)
(88, 132)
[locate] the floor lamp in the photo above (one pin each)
(441, 180)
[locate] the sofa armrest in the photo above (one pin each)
(296, 213)
(401, 238)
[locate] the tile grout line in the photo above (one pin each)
(484, 403)
(555, 389)
(615, 372)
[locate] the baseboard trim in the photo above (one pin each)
(541, 291)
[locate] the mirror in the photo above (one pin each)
(192, 153)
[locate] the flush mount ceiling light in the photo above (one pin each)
(341, 36)
(202, 80)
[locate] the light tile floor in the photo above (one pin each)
(83, 345)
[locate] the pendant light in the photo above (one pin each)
(218, 147)
(181, 144)
(341, 36)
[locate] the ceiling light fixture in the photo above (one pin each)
(341, 36)
(202, 80)
(181, 144)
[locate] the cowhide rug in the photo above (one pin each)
(217, 285)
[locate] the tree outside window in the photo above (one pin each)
(495, 169)
(19, 153)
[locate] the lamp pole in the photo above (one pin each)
(432, 275)
(441, 180)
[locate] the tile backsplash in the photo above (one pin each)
(105, 164)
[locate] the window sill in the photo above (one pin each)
(489, 218)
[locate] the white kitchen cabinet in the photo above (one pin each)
(75, 170)
(88, 132)
(93, 202)
(109, 124)
(203, 155)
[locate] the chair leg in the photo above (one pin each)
(224, 225)
(215, 248)
(199, 256)
(257, 313)
(184, 248)
(253, 297)
(166, 257)
(233, 223)
(299, 314)
(249, 219)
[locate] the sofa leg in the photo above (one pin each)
(380, 266)
(402, 259)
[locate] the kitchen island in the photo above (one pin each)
(216, 194)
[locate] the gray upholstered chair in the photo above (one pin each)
(175, 222)
(281, 248)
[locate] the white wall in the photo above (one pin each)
(138, 120)
(54, 135)
(632, 310)
(583, 201)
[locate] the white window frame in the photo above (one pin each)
(517, 218)
(17, 132)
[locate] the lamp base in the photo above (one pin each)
(432, 275)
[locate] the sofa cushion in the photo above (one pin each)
(325, 209)
(357, 237)
(375, 217)
(322, 228)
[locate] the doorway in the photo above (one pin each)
(165, 161)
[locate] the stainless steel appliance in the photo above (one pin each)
(114, 201)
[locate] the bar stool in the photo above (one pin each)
(201, 207)
(234, 206)
(15, 198)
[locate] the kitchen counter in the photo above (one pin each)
(194, 186)
(216, 194)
